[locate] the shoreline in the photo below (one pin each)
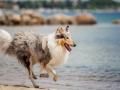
(19, 87)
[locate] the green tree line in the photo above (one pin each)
(79, 4)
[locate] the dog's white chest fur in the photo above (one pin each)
(59, 54)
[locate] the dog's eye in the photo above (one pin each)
(62, 36)
(67, 38)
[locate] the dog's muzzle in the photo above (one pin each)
(74, 45)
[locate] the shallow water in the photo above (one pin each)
(93, 65)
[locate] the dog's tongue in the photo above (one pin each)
(68, 47)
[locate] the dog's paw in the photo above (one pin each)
(55, 78)
(36, 86)
(46, 75)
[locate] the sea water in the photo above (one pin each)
(94, 64)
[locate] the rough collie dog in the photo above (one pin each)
(31, 48)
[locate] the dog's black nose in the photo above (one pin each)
(74, 45)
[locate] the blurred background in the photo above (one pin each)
(94, 64)
(26, 12)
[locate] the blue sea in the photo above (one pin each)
(101, 17)
(94, 64)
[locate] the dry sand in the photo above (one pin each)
(8, 87)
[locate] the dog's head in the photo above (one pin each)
(64, 38)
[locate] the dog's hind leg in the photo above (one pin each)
(34, 75)
(50, 69)
(31, 77)
(26, 60)
(31, 74)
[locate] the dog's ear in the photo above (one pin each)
(67, 29)
(59, 30)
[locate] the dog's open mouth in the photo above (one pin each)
(67, 47)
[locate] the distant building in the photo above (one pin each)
(15, 7)
(2, 4)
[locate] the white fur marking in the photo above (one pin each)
(5, 39)
(59, 54)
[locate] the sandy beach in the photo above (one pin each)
(8, 87)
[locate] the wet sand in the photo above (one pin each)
(8, 87)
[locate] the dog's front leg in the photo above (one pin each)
(50, 69)
(31, 74)
(46, 75)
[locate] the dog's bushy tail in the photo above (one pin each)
(5, 40)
